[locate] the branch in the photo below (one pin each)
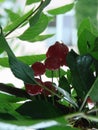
(24, 19)
(14, 91)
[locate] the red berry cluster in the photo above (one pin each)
(55, 57)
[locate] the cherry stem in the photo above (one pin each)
(52, 76)
(59, 73)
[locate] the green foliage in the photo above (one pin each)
(80, 76)
(26, 59)
(28, 2)
(34, 31)
(61, 10)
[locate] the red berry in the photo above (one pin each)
(34, 89)
(58, 50)
(52, 63)
(39, 68)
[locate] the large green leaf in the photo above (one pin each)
(85, 24)
(61, 10)
(35, 30)
(26, 59)
(86, 42)
(39, 110)
(19, 69)
(82, 76)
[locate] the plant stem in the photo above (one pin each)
(24, 19)
(52, 76)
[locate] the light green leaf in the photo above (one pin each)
(12, 15)
(61, 10)
(33, 20)
(35, 30)
(28, 2)
(85, 24)
(86, 41)
(41, 37)
(18, 22)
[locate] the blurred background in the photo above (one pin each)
(63, 26)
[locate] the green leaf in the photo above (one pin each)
(26, 59)
(66, 96)
(41, 37)
(9, 108)
(85, 24)
(63, 83)
(55, 73)
(35, 30)
(94, 91)
(9, 98)
(12, 15)
(61, 10)
(86, 42)
(28, 2)
(94, 51)
(19, 69)
(18, 22)
(82, 76)
(39, 110)
(33, 20)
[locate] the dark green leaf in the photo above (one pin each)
(82, 76)
(63, 83)
(35, 30)
(39, 110)
(61, 10)
(28, 2)
(26, 59)
(19, 69)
